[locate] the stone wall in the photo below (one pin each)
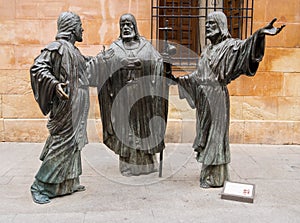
(264, 109)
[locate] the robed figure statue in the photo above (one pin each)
(133, 97)
(61, 88)
(223, 60)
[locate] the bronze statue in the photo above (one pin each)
(61, 88)
(133, 99)
(222, 61)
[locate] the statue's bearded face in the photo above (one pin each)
(212, 29)
(78, 32)
(127, 29)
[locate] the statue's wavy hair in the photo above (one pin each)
(66, 24)
(221, 20)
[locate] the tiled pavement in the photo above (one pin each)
(176, 197)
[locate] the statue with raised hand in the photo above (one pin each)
(133, 99)
(223, 60)
(270, 29)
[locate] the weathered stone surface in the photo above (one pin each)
(296, 133)
(104, 32)
(291, 38)
(20, 106)
(1, 130)
(262, 84)
(1, 111)
(144, 28)
(260, 108)
(289, 11)
(25, 54)
(49, 31)
(35, 130)
(7, 57)
(27, 32)
(27, 26)
(236, 107)
(180, 109)
(92, 32)
(94, 130)
(91, 50)
(8, 28)
(28, 9)
(173, 132)
(268, 132)
(188, 131)
(291, 84)
(288, 108)
(235, 87)
(99, 31)
(51, 9)
(260, 11)
(15, 82)
(173, 90)
(104, 10)
(281, 60)
(7, 12)
(94, 112)
(25, 130)
(237, 131)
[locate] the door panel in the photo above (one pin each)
(185, 28)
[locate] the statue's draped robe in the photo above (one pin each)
(61, 62)
(133, 99)
(206, 90)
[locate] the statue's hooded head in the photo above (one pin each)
(126, 19)
(66, 25)
(221, 19)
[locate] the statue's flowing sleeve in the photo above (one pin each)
(241, 57)
(96, 70)
(43, 82)
(187, 88)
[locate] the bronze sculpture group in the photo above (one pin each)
(133, 90)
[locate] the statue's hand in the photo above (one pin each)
(60, 91)
(270, 29)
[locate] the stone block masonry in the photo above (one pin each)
(264, 109)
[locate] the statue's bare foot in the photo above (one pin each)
(39, 198)
(127, 173)
(204, 185)
(79, 188)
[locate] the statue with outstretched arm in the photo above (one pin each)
(223, 60)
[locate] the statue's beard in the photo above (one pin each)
(128, 35)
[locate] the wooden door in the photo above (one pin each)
(183, 18)
(232, 9)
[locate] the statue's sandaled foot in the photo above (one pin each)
(127, 173)
(39, 198)
(79, 188)
(204, 185)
